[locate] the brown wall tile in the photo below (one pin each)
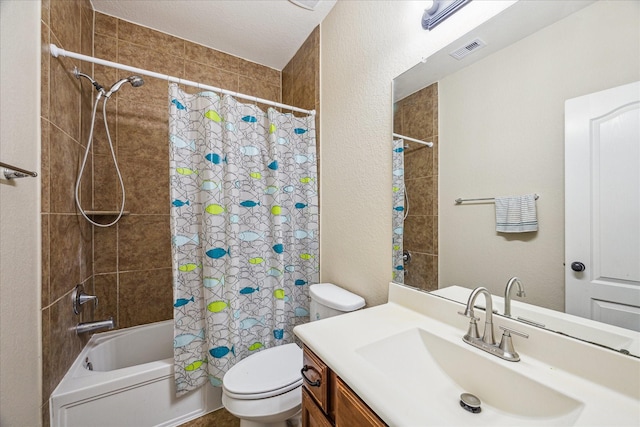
(105, 249)
(106, 25)
(64, 159)
(145, 297)
(107, 191)
(155, 40)
(143, 129)
(422, 271)
(216, 77)
(46, 271)
(147, 182)
(65, 23)
(144, 242)
(63, 343)
(45, 11)
(65, 97)
(204, 55)
(106, 289)
(45, 67)
(70, 238)
(45, 174)
(252, 70)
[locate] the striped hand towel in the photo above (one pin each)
(516, 214)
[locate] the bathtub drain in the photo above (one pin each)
(88, 365)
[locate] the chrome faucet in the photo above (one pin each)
(507, 294)
(487, 342)
(487, 335)
(85, 327)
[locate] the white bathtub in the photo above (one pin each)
(131, 384)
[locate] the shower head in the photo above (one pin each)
(136, 81)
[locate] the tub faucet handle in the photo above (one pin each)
(79, 298)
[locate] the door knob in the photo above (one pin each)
(577, 266)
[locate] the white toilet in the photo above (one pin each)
(264, 389)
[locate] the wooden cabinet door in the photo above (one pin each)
(312, 415)
(351, 411)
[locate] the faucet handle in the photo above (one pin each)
(469, 314)
(472, 331)
(509, 331)
(79, 297)
(506, 344)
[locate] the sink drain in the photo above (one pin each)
(470, 403)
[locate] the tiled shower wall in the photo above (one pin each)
(416, 116)
(132, 260)
(66, 236)
(128, 265)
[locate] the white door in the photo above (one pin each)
(602, 206)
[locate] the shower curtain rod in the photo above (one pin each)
(428, 144)
(56, 52)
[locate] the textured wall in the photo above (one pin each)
(496, 142)
(364, 45)
(20, 363)
(416, 116)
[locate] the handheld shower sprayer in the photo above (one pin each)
(135, 81)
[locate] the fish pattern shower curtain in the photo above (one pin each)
(244, 224)
(398, 209)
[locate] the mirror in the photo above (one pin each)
(496, 118)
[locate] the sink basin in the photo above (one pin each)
(438, 369)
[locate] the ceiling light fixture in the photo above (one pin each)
(439, 10)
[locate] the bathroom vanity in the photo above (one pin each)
(404, 363)
(327, 400)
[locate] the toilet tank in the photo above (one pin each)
(329, 300)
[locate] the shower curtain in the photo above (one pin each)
(244, 225)
(398, 209)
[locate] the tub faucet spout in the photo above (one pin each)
(507, 294)
(85, 327)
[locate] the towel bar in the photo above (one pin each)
(12, 172)
(459, 201)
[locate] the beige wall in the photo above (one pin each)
(364, 45)
(20, 361)
(502, 133)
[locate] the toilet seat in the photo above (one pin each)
(265, 374)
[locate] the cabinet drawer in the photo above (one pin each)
(315, 377)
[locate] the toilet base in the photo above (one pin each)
(282, 410)
(295, 421)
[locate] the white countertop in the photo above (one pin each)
(607, 383)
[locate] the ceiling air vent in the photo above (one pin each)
(474, 45)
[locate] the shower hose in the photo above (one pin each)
(86, 155)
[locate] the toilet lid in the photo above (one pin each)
(268, 373)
